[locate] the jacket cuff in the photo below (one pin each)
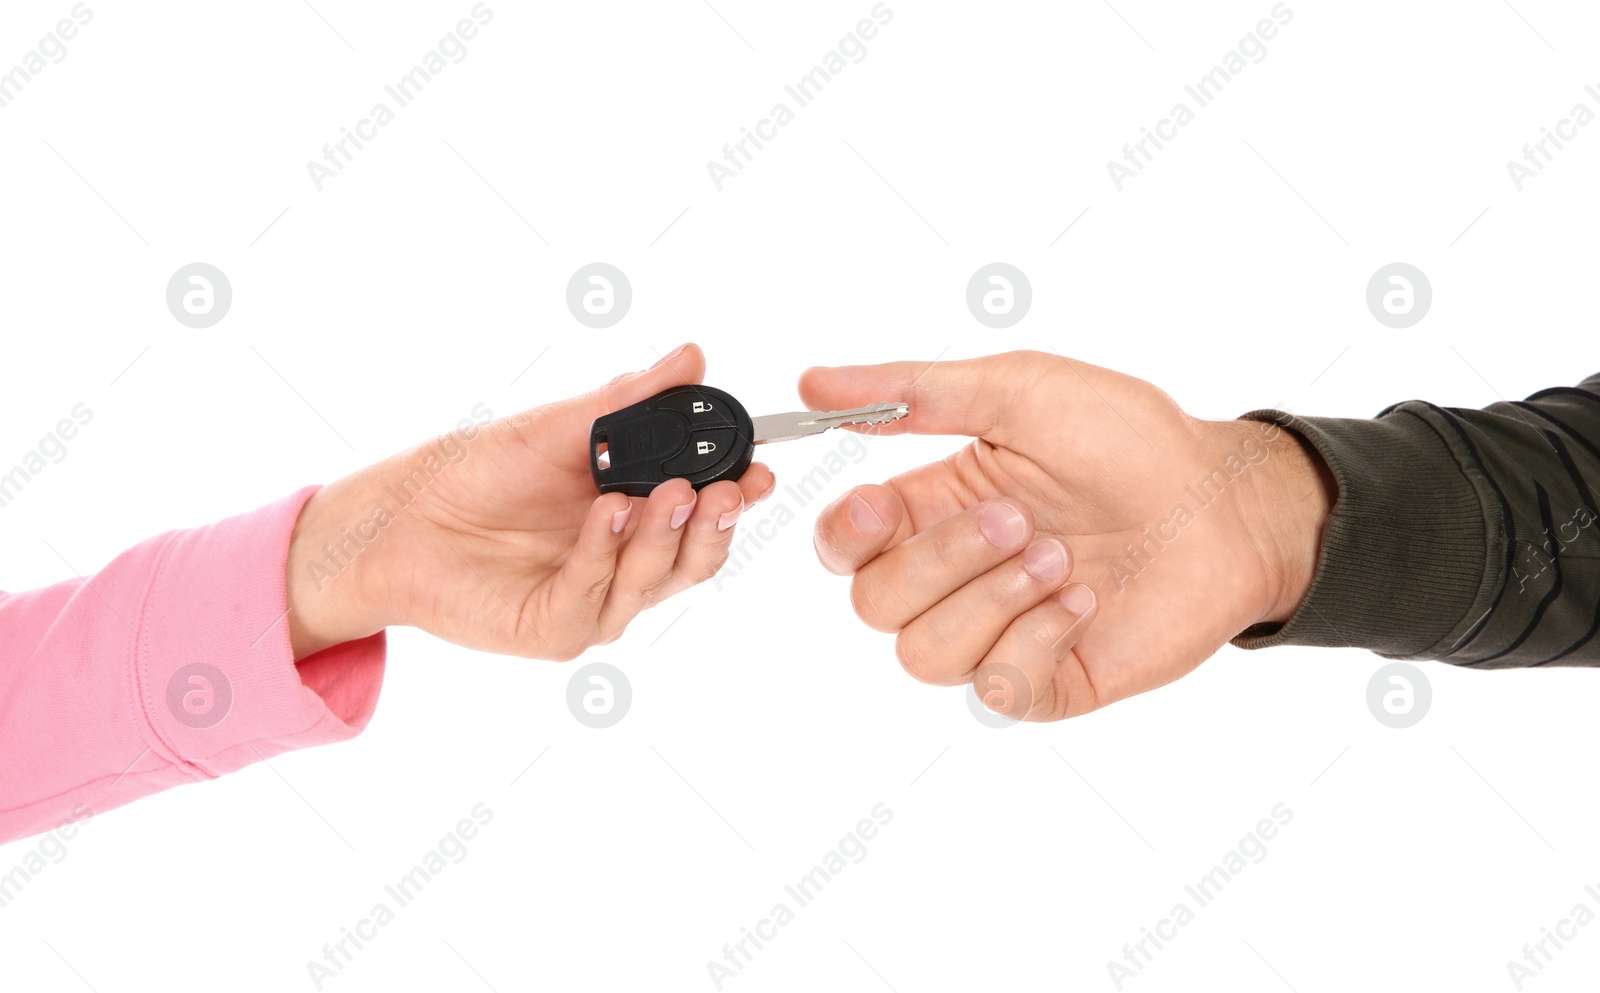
(215, 674)
(1405, 549)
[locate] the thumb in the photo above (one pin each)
(683, 365)
(993, 396)
(563, 426)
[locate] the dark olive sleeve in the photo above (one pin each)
(1469, 536)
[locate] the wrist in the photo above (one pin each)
(1284, 504)
(332, 582)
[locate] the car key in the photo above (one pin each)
(701, 434)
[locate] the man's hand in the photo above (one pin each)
(493, 536)
(1093, 542)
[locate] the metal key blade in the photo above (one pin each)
(800, 423)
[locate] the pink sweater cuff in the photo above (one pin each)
(169, 666)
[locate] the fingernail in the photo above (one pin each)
(1003, 525)
(1079, 599)
(619, 520)
(663, 360)
(726, 520)
(680, 514)
(1045, 560)
(864, 517)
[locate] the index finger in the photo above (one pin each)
(976, 397)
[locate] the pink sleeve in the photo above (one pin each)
(171, 665)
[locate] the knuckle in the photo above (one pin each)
(1037, 633)
(1003, 593)
(651, 592)
(865, 604)
(703, 570)
(947, 550)
(861, 600)
(1004, 689)
(915, 658)
(595, 592)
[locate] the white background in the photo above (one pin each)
(411, 288)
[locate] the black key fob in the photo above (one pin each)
(697, 433)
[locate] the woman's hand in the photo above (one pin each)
(493, 537)
(1093, 542)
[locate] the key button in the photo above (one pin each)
(705, 448)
